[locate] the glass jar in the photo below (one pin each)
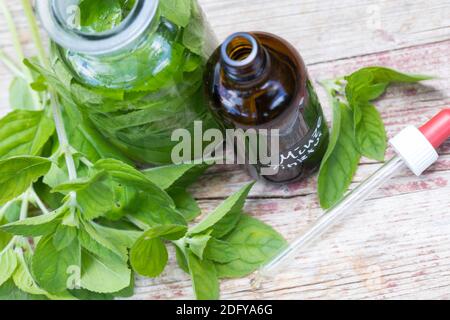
(137, 68)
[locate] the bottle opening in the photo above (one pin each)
(240, 53)
(96, 27)
(240, 49)
(92, 17)
(244, 58)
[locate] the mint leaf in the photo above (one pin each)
(83, 294)
(341, 159)
(9, 291)
(11, 213)
(51, 268)
(149, 256)
(125, 173)
(57, 175)
(181, 259)
(107, 274)
(93, 241)
(358, 86)
(220, 251)
(36, 226)
(8, 264)
(85, 138)
(79, 184)
(18, 173)
(128, 291)
(82, 135)
(51, 78)
(370, 83)
(94, 194)
(39, 85)
(20, 97)
(175, 179)
(386, 75)
(24, 132)
(190, 177)
(64, 236)
(24, 280)
(195, 36)
(368, 92)
(371, 136)
(255, 244)
(358, 128)
(96, 200)
(5, 237)
(153, 212)
(177, 11)
(151, 205)
(169, 232)
(122, 196)
(100, 16)
(225, 217)
(118, 237)
(204, 278)
(197, 244)
(185, 203)
(166, 176)
(363, 86)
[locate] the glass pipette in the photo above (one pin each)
(415, 149)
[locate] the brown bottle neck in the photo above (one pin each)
(244, 58)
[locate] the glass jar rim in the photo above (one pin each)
(113, 40)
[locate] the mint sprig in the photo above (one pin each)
(77, 218)
(250, 244)
(358, 129)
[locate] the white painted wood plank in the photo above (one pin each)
(329, 30)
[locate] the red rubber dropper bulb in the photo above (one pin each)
(437, 130)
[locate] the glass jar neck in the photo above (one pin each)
(244, 58)
(59, 18)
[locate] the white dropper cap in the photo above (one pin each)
(417, 147)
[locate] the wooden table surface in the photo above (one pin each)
(398, 245)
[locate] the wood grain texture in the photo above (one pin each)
(398, 244)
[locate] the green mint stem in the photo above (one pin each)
(86, 162)
(23, 215)
(24, 206)
(335, 89)
(35, 34)
(330, 86)
(38, 201)
(57, 116)
(19, 50)
(62, 137)
(64, 145)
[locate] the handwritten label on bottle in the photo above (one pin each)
(302, 151)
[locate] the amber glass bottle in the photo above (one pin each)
(259, 81)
